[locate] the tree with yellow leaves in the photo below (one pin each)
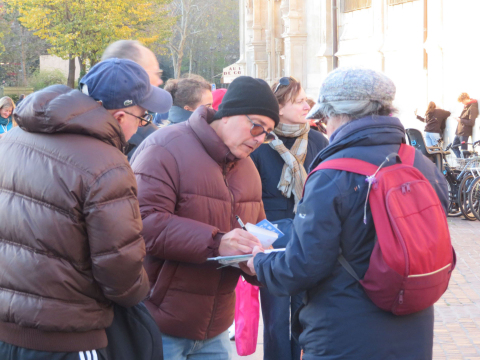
(84, 28)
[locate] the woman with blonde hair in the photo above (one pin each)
(435, 123)
(6, 119)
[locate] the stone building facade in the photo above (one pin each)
(430, 48)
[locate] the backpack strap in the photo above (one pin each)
(346, 265)
(345, 164)
(407, 154)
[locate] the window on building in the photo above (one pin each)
(352, 5)
(397, 2)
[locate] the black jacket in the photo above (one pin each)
(435, 120)
(270, 164)
(142, 133)
(467, 119)
(339, 321)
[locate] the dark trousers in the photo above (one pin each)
(458, 140)
(278, 343)
(12, 352)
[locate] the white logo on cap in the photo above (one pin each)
(128, 102)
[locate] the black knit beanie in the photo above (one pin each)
(249, 96)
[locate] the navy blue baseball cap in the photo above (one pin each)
(121, 83)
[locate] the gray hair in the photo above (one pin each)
(124, 49)
(349, 110)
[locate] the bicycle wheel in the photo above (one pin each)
(453, 205)
(463, 197)
(474, 197)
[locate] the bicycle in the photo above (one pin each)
(473, 189)
(451, 174)
(467, 177)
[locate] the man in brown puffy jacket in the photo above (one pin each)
(193, 178)
(70, 240)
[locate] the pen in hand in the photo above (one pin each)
(241, 222)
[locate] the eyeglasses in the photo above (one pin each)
(145, 120)
(284, 81)
(257, 130)
(156, 72)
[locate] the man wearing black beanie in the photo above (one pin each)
(247, 95)
(193, 179)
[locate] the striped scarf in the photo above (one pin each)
(293, 174)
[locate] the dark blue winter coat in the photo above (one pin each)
(339, 321)
(270, 165)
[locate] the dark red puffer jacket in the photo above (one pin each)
(190, 188)
(70, 241)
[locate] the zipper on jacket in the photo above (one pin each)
(232, 198)
(214, 310)
(222, 271)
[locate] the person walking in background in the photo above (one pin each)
(435, 120)
(6, 118)
(133, 50)
(337, 320)
(466, 122)
(188, 94)
(193, 179)
(72, 245)
(20, 99)
(283, 166)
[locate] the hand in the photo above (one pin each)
(237, 242)
(250, 265)
(458, 119)
(415, 112)
(244, 267)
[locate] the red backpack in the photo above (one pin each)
(413, 259)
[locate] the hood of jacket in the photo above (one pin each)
(200, 123)
(367, 131)
(177, 114)
(60, 109)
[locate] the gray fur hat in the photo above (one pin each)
(354, 83)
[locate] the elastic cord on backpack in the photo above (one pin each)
(372, 180)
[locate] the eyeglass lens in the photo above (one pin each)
(258, 130)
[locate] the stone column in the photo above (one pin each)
(242, 61)
(258, 43)
(278, 58)
(269, 56)
(434, 48)
(249, 50)
(326, 38)
(378, 33)
(295, 40)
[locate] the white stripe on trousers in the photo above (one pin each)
(91, 355)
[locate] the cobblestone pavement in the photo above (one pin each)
(457, 313)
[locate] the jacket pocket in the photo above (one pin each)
(163, 282)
